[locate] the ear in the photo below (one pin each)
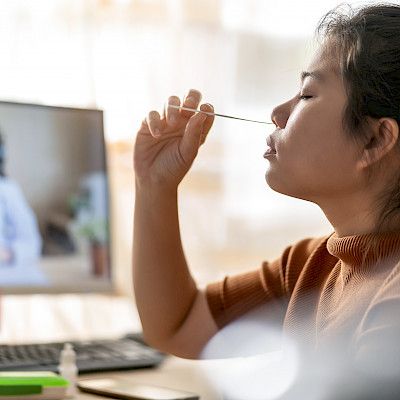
(384, 133)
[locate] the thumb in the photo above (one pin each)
(190, 142)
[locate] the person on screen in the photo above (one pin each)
(20, 241)
(336, 144)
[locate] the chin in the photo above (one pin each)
(275, 185)
(287, 190)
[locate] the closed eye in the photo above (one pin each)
(304, 97)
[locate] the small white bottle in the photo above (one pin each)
(68, 368)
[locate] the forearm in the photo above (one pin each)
(164, 289)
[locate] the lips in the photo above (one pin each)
(269, 152)
(271, 145)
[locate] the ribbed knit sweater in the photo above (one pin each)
(328, 289)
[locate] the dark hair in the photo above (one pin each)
(366, 42)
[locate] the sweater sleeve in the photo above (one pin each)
(236, 295)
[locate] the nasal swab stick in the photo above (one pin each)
(218, 115)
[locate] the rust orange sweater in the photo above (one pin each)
(331, 289)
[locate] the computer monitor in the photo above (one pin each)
(54, 200)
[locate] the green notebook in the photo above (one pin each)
(33, 385)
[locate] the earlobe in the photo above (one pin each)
(384, 134)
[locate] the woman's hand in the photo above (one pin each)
(166, 146)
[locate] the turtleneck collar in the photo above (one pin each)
(364, 250)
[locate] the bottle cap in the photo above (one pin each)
(68, 354)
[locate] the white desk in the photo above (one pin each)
(174, 373)
(42, 318)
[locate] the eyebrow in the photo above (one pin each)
(317, 75)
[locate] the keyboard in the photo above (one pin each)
(127, 352)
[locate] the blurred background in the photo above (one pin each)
(127, 56)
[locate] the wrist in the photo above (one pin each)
(155, 189)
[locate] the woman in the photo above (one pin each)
(336, 144)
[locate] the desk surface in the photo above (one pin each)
(28, 319)
(173, 373)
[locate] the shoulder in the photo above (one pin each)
(297, 255)
(8, 183)
(9, 189)
(305, 248)
(290, 265)
(296, 259)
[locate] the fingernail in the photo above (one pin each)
(190, 100)
(193, 92)
(208, 106)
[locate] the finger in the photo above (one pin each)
(144, 127)
(172, 114)
(208, 121)
(163, 121)
(189, 144)
(210, 118)
(154, 123)
(191, 100)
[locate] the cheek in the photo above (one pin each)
(317, 157)
(306, 168)
(313, 139)
(296, 145)
(315, 125)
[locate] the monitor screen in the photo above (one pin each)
(54, 208)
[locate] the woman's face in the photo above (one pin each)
(315, 160)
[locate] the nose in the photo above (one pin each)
(280, 114)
